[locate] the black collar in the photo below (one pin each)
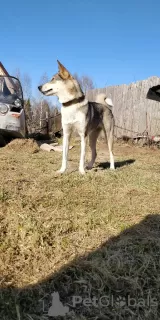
(74, 101)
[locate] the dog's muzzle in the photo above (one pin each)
(44, 92)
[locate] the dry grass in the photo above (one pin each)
(79, 235)
(25, 145)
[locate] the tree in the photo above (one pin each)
(28, 109)
(27, 86)
(26, 83)
(43, 103)
(44, 78)
(85, 82)
(46, 108)
(28, 114)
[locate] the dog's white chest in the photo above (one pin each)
(71, 115)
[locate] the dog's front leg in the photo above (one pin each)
(66, 137)
(82, 158)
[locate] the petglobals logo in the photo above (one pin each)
(120, 301)
(57, 308)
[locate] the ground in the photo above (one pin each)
(91, 236)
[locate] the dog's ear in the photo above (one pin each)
(63, 72)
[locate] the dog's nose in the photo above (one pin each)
(40, 88)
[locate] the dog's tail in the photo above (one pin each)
(103, 99)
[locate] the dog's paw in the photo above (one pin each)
(61, 171)
(89, 167)
(81, 171)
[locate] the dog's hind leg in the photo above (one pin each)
(109, 134)
(92, 143)
(110, 147)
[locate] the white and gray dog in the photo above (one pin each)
(88, 118)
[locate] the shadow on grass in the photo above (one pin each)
(118, 164)
(119, 280)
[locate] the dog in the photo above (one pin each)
(88, 118)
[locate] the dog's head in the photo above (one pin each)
(62, 85)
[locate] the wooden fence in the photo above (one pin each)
(132, 111)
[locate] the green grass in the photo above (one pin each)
(54, 226)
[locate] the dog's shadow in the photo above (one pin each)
(118, 164)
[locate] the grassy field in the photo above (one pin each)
(95, 236)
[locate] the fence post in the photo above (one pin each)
(47, 123)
